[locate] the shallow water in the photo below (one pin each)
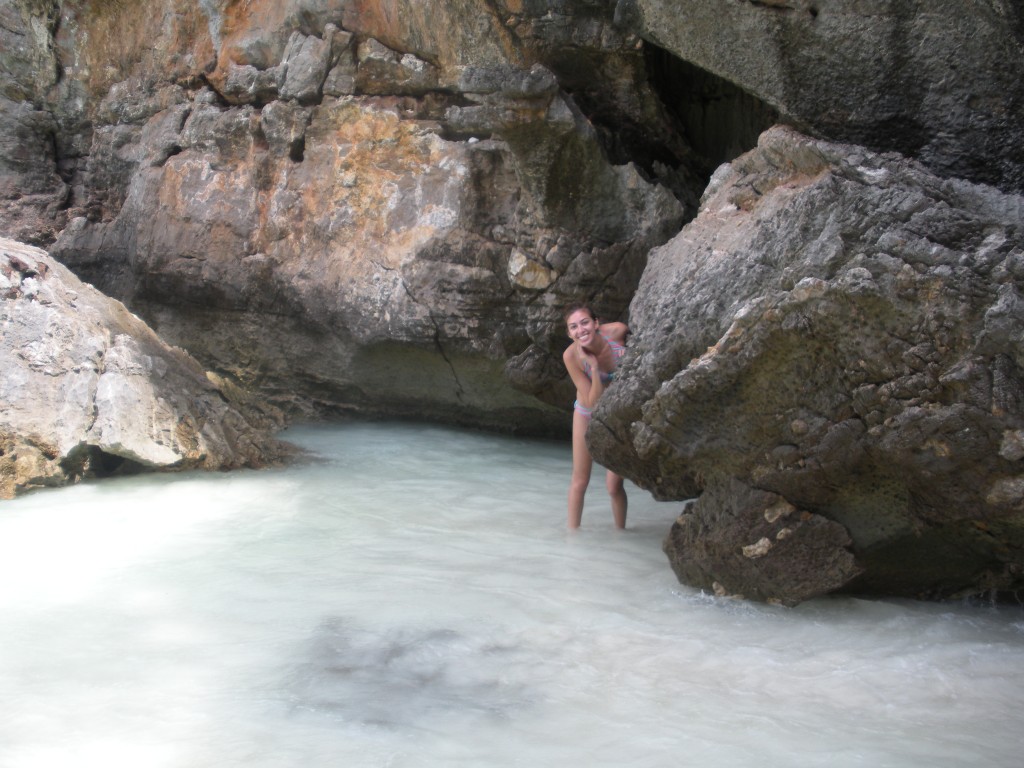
(411, 598)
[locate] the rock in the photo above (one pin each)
(383, 71)
(378, 208)
(341, 79)
(245, 84)
(300, 75)
(525, 272)
(843, 330)
(788, 560)
(228, 158)
(402, 270)
(88, 389)
(32, 194)
(937, 80)
(307, 60)
(28, 56)
(284, 126)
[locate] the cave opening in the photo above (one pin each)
(718, 120)
(90, 461)
(684, 123)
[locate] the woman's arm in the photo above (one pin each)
(588, 388)
(615, 331)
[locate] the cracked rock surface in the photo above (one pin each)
(346, 207)
(88, 388)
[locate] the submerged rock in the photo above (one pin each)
(841, 332)
(88, 388)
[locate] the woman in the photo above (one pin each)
(591, 361)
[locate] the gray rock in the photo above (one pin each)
(27, 56)
(32, 194)
(739, 542)
(307, 60)
(844, 330)
(284, 125)
(384, 71)
(88, 388)
(245, 84)
(341, 80)
(939, 80)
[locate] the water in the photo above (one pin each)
(412, 599)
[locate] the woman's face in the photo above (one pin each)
(582, 327)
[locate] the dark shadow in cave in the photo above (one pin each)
(719, 120)
(89, 461)
(690, 121)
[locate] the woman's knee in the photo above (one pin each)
(580, 480)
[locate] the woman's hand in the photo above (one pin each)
(588, 357)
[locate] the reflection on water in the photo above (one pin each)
(411, 598)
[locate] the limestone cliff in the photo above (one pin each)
(353, 207)
(378, 205)
(937, 80)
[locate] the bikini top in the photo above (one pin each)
(618, 350)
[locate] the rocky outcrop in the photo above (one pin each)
(759, 545)
(831, 355)
(88, 389)
(941, 81)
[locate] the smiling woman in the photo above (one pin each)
(595, 347)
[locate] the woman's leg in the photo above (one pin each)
(619, 500)
(581, 466)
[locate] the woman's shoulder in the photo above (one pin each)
(615, 331)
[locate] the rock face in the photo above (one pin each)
(831, 354)
(353, 207)
(88, 389)
(33, 195)
(941, 81)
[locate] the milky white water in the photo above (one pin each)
(412, 599)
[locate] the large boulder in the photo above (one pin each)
(88, 389)
(830, 355)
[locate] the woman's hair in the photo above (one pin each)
(576, 306)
